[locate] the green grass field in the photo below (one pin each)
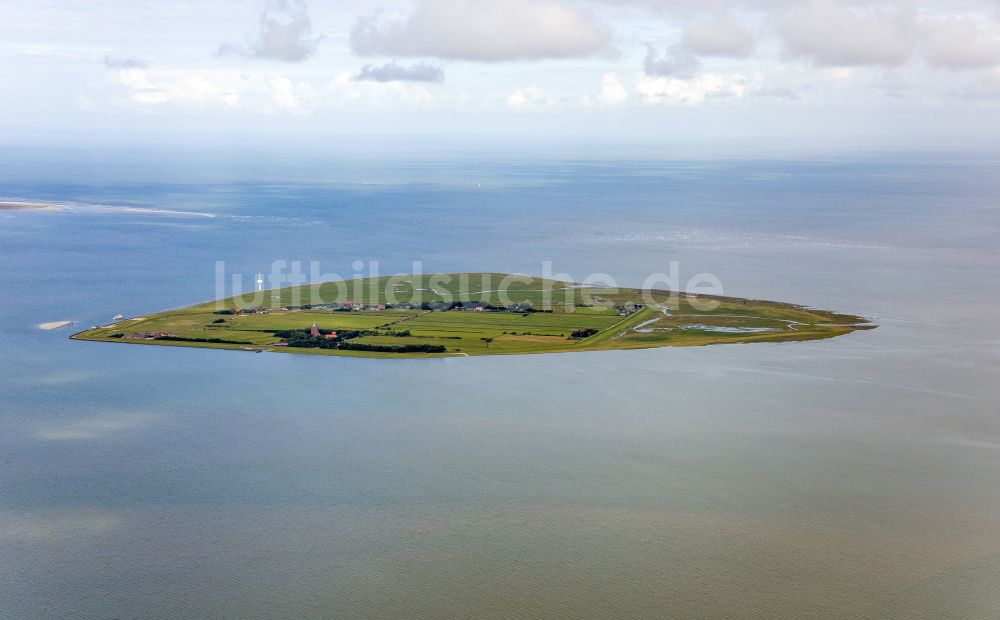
(416, 318)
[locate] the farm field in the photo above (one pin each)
(471, 314)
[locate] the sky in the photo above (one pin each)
(795, 73)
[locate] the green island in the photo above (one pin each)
(438, 315)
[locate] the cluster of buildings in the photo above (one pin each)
(467, 306)
(628, 309)
(350, 304)
(315, 333)
(347, 304)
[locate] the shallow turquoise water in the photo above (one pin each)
(846, 478)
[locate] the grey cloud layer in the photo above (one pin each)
(285, 34)
(988, 87)
(822, 32)
(959, 43)
(833, 33)
(676, 61)
(720, 35)
(395, 72)
(116, 62)
(482, 30)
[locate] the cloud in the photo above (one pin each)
(532, 97)
(394, 72)
(676, 61)
(719, 36)
(892, 83)
(986, 87)
(834, 34)
(696, 90)
(346, 90)
(959, 43)
(261, 92)
(194, 89)
(113, 62)
(693, 7)
(290, 96)
(481, 30)
(83, 102)
(612, 91)
(285, 34)
(776, 92)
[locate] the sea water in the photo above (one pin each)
(842, 478)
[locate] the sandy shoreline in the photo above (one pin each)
(9, 205)
(26, 205)
(54, 324)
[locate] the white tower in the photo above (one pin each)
(260, 282)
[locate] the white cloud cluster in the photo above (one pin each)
(531, 98)
(285, 34)
(613, 92)
(289, 95)
(228, 89)
(345, 90)
(263, 91)
(692, 91)
(189, 89)
(481, 30)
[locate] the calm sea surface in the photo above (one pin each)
(856, 477)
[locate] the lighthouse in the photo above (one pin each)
(260, 282)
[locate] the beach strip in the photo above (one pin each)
(10, 205)
(54, 324)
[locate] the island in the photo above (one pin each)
(466, 314)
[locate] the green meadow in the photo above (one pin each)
(471, 314)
